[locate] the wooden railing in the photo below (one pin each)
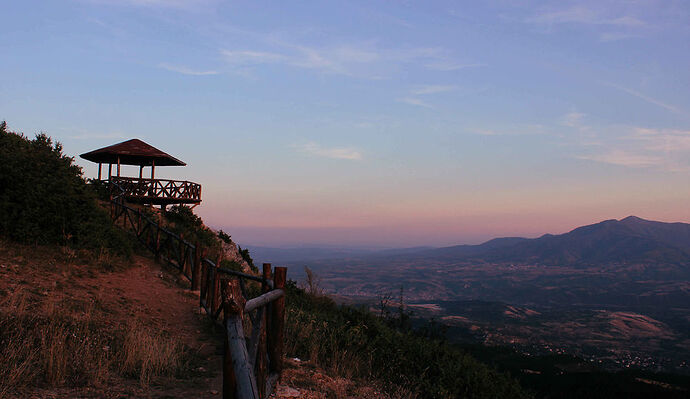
(252, 361)
(156, 190)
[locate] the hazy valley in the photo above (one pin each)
(615, 293)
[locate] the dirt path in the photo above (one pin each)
(42, 279)
(152, 295)
(147, 294)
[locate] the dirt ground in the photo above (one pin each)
(149, 294)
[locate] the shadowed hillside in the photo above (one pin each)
(76, 320)
(628, 240)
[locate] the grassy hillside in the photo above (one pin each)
(66, 323)
(53, 333)
(355, 343)
(44, 198)
(75, 310)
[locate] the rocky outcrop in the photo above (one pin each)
(231, 252)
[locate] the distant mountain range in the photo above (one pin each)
(629, 240)
(610, 288)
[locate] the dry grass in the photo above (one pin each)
(50, 347)
(145, 354)
(51, 337)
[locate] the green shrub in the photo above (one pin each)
(244, 253)
(225, 237)
(182, 220)
(45, 200)
(231, 265)
(355, 343)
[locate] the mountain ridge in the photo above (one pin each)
(629, 240)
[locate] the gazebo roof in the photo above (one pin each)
(132, 152)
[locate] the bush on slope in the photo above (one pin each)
(45, 200)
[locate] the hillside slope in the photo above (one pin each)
(629, 240)
(100, 327)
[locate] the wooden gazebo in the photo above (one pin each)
(152, 191)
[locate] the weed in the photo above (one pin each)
(145, 354)
(51, 342)
(355, 343)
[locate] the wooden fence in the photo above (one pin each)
(155, 190)
(252, 361)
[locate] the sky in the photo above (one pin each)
(371, 123)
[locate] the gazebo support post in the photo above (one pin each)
(153, 169)
(118, 166)
(99, 170)
(141, 170)
(110, 171)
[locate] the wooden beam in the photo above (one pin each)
(141, 170)
(276, 334)
(196, 269)
(158, 240)
(263, 300)
(215, 299)
(236, 349)
(110, 171)
(99, 170)
(153, 169)
(261, 359)
(118, 166)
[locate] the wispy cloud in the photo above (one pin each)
(623, 158)
(447, 65)
(584, 15)
(361, 59)
(184, 70)
(525, 130)
(609, 20)
(615, 36)
(663, 140)
(640, 147)
(98, 136)
(346, 153)
(425, 90)
(415, 101)
(335, 60)
(433, 89)
(573, 119)
(644, 97)
(183, 4)
(246, 57)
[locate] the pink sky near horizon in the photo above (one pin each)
(258, 208)
(372, 123)
(439, 225)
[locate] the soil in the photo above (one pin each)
(144, 291)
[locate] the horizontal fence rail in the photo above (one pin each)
(253, 358)
(149, 190)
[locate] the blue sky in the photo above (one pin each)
(372, 123)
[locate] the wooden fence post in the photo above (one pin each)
(236, 366)
(261, 366)
(180, 260)
(215, 288)
(158, 242)
(203, 284)
(211, 278)
(196, 268)
(229, 381)
(277, 332)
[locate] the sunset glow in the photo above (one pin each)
(372, 124)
